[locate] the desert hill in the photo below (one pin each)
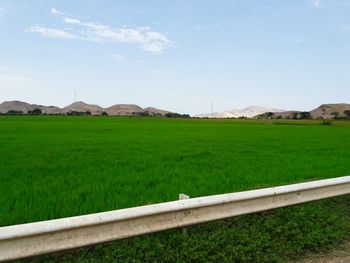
(153, 110)
(329, 111)
(80, 106)
(324, 111)
(15, 106)
(124, 109)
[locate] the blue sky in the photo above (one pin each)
(176, 55)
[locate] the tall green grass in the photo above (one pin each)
(53, 167)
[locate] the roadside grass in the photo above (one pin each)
(282, 235)
(54, 166)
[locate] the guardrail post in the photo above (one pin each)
(183, 197)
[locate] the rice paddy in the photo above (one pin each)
(57, 166)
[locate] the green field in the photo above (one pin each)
(54, 166)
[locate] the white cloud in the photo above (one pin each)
(316, 3)
(51, 32)
(149, 40)
(70, 20)
(329, 3)
(55, 12)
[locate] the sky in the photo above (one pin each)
(179, 55)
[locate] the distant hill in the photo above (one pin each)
(124, 109)
(248, 112)
(152, 110)
(80, 106)
(325, 111)
(329, 111)
(15, 105)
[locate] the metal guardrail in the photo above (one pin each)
(25, 240)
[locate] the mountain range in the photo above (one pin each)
(324, 111)
(248, 112)
(79, 106)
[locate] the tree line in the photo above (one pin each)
(304, 115)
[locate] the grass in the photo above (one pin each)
(55, 166)
(281, 235)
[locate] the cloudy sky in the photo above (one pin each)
(178, 55)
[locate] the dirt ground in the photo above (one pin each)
(340, 255)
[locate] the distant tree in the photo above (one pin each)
(142, 113)
(75, 113)
(305, 115)
(347, 113)
(104, 114)
(35, 112)
(266, 115)
(326, 123)
(335, 114)
(176, 115)
(15, 112)
(87, 112)
(157, 114)
(295, 116)
(279, 117)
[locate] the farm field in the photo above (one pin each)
(55, 166)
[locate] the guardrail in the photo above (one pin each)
(25, 240)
